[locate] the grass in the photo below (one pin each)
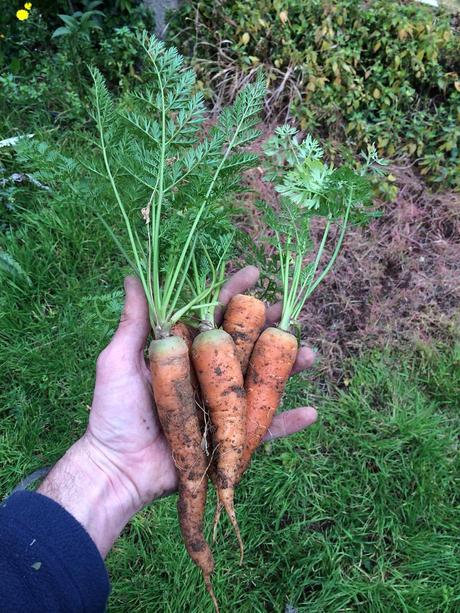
(360, 513)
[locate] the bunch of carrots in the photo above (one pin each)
(234, 376)
(216, 389)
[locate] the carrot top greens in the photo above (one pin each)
(170, 176)
(308, 188)
(166, 173)
(208, 273)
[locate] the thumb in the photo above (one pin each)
(290, 422)
(134, 326)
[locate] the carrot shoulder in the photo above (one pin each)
(174, 398)
(221, 381)
(271, 363)
(244, 319)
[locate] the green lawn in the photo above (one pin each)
(360, 513)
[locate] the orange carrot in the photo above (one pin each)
(187, 333)
(219, 373)
(174, 398)
(244, 319)
(271, 363)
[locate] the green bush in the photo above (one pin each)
(384, 72)
(45, 80)
(44, 61)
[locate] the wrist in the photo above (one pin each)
(92, 489)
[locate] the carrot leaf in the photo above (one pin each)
(309, 187)
(157, 167)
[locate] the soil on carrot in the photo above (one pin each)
(396, 280)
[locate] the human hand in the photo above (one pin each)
(124, 445)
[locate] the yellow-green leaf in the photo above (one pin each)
(245, 38)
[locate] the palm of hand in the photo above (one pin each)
(123, 422)
(123, 426)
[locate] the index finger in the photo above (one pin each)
(237, 284)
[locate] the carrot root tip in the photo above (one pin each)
(208, 584)
(217, 513)
(227, 502)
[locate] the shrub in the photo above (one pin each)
(44, 81)
(384, 71)
(44, 57)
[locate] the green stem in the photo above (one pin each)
(334, 255)
(180, 284)
(193, 304)
(294, 291)
(285, 313)
(326, 270)
(195, 282)
(120, 203)
(314, 268)
(156, 213)
(171, 280)
(200, 212)
(211, 310)
(149, 259)
(205, 315)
